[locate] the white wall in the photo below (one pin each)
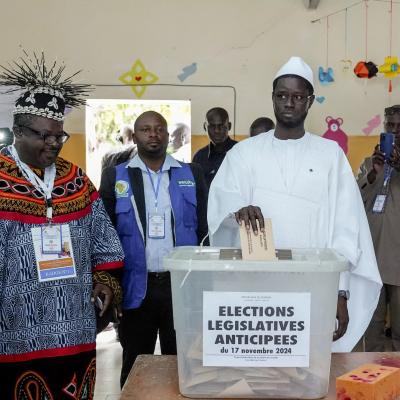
(234, 42)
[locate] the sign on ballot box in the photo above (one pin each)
(256, 329)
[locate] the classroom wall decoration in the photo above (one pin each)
(372, 124)
(187, 71)
(138, 77)
(390, 68)
(346, 61)
(334, 132)
(364, 69)
(346, 64)
(325, 77)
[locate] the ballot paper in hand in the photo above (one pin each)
(258, 247)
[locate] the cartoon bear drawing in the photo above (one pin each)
(335, 133)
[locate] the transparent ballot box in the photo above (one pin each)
(254, 329)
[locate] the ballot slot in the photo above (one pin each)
(236, 254)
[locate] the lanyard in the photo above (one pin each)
(155, 189)
(386, 178)
(45, 187)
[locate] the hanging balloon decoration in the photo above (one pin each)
(345, 61)
(325, 76)
(364, 68)
(390, 68)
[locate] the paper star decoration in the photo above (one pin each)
(137, 76)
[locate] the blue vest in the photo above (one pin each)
(182, 191)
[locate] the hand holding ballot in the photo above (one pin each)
(250, 215)
(258, 247)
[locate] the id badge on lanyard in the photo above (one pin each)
(53, 252)
(156, 225)
(156, 220)
(379, 204)
(381, 197)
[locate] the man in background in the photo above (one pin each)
(210, 157)
(180, 143)
(156, 203)
(260, 125)
(377, 178)
(119, 156)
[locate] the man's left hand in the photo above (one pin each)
(105, 294)
(342, 316)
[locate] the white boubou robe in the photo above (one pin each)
(307, 188)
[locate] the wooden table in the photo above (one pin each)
(156, 377)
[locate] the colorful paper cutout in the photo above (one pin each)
(346, 65)
(187, 71)
(325, 77)
(335, 133)
(320, 99)
(364, 69)
(372, 124)
(390, 68)
(137, 76)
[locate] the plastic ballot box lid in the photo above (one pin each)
(254, 329)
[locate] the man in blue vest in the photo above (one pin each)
(155, 203)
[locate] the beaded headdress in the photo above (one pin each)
(45, 92)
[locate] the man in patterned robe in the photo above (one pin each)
(58, 249)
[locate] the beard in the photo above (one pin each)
(153, 152)
(291, 123)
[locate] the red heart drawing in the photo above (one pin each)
(138, 78)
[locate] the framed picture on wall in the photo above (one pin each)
(109, 128)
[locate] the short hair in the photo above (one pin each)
(263, 122)
(219, 111)
(308, 84)
(182, 130)
(149, 112)
(392, 110)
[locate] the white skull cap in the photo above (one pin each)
(296, 66)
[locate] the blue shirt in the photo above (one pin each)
(156, 249)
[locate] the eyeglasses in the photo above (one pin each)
(392, 110)
(48, 138)
(297, 98)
